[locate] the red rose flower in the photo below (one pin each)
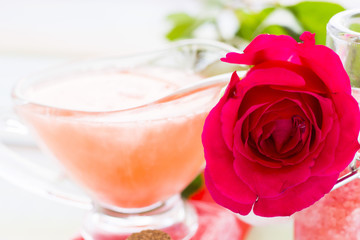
(278, 138)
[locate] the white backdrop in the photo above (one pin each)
(40, 33)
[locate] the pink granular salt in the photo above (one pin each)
(334, 217)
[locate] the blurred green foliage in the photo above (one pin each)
(355, 27)
(275, 19)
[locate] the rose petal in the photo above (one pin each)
(296, 198)
(264, 48)
(223, 200)
(326, 152)
(269, 76)
(255, 128)
(264, 41)
(229, 116)
(349, 123)
(311, 106)
(327, 65)
(241, 146)
(325, 139)
(281, 132)
(272, 76)
(293, 145)
(219, 162)
(219, 158)
(308, 38)
(270, 182)
(282, 105)
(285, 110)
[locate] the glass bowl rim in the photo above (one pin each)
(339, 22)
(19, 98)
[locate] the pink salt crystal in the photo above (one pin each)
(334, 217)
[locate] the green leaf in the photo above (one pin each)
(274, 29)
(280, 30)
(195, 185)
(313, 16)
(183, 26)
(250, 22)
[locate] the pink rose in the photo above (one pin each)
(278, 138)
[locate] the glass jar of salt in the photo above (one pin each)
(337, 215)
